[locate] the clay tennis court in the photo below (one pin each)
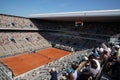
(25, 62)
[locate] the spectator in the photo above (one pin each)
(74, 75)
(105, 56)
(96, 54)
(53, 74)
(94, 67)
(118, 51)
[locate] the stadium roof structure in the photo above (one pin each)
(86, 16)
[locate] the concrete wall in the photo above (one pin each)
(5, 73)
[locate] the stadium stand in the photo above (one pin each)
(15, 22)
(88, 28)
(70, 41)
(13, 43)
(35, 45)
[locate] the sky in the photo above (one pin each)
(28, 7)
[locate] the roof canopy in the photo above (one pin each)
(87, 16)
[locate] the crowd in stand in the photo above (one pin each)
(92, 28)
(104, 28)
(54, 25)
(102, 60)
(68, 42)
(60, 65)
(12, 43)
(7, 21)
(67, 68)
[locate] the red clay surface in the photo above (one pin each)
(25, 62)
